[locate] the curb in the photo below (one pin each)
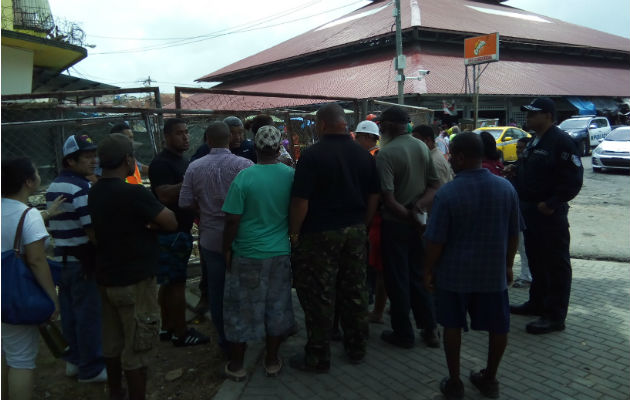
(231, 390)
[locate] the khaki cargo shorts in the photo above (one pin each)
(131, 320)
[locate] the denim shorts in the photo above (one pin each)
(488, 311)
(175, 249)
(257, 300)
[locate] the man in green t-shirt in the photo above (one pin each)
(408, 183)
(257, 299)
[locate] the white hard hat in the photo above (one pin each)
(367, 127)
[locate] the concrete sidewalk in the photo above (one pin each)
(589, 360)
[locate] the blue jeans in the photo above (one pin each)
(80, 303)
(214, 264)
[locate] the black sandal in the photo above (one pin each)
(451, 390)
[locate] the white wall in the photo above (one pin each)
(17, 70)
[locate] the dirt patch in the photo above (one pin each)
(201, 378)
(201, 367)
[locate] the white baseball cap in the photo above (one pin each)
(367, 127)
(78, 143)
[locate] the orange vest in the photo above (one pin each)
(374, 150)
(135, 178)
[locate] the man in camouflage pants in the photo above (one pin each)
(335, 195)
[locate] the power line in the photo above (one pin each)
(186, 42)
(204, 38)
(248, 23)
(109, 81)
(100, 79)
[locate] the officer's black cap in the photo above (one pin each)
(542, 104)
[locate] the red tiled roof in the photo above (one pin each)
(448, 15)
(470, 16)
(372, 76)
(223, 102)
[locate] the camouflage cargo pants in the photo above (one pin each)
(328, 267)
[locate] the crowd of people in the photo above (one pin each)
(428, 221)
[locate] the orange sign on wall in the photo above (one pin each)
(481, 49)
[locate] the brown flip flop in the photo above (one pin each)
(236, 376)
(273, 370)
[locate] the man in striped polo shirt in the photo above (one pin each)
(72, 232)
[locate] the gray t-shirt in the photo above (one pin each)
(405, 168)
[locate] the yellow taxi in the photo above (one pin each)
(506, 137)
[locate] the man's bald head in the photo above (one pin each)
(331, 119)
(217, 134)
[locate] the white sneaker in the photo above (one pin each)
(71, 370)
(101, 377)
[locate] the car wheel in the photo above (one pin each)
(597, 170)
(585, 148)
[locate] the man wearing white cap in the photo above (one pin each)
(367, 135)
(257, 300)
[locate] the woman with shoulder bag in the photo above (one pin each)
(20, 343)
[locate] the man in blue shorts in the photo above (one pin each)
(471, 241)
(166, 173)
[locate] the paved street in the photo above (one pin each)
(599, 216)
(589, 360)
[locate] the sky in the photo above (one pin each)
(176, 42)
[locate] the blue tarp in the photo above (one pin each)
(584, 107)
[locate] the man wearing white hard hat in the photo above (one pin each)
(367, 135)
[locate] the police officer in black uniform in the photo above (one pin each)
(548, 175)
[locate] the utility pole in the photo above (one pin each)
(476, 95)
(399, 61)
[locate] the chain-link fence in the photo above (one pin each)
(293, 114)
(36, 125)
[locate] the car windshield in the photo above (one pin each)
(619, 135)
(494, 132)
(573, 124)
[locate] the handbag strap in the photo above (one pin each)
(17, 243)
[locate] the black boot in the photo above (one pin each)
(114, 378)
(137, 383)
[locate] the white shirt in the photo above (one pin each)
(34, 228)
(442, 167)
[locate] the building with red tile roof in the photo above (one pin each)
(352, 56)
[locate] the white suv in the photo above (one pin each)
(586, 131)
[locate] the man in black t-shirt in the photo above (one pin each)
(335, 194)
(125, 218)
(166, 174)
